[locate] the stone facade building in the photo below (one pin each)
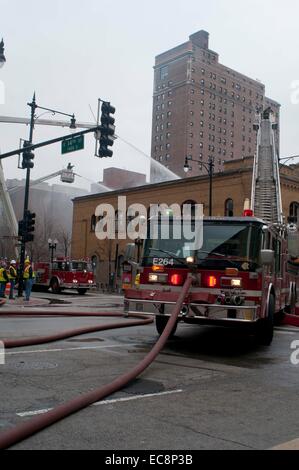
(202, 108)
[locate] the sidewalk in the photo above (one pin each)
(19, 303)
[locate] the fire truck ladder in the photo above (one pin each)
(266, 191)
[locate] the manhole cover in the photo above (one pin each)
(33, 365)
(144, 387)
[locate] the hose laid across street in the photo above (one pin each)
(25, 430)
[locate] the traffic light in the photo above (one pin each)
(27, 162)
(26, 227)
(107, 130)
(21, 230)
(30, 221)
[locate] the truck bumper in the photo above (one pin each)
(194, 312)
(77, 286)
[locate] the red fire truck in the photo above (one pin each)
(65, 274)
(242, 276)
(247, 269)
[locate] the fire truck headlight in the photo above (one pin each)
(90, 282)
(75, 281)
(236, 282)
(153, 278)
(190, 259)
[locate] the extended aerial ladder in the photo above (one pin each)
(266, 201)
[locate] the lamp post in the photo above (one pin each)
(2, 56)
(28, 165)
(139, 244)
(210, 169)
(52, 247)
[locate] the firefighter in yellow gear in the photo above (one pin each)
(3, 279)
(29, 279)
(12, 276)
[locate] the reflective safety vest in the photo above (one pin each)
(2, 278)
(27, 273)
(12, 273)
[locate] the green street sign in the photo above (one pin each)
(72, 145)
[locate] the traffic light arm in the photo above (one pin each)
(32, 147)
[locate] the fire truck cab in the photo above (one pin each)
(241, 276)
(65, 274)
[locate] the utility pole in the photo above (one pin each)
(26, 199)
(210, 169)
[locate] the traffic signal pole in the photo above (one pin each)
(26, 202)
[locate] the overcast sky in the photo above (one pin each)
(73, 52)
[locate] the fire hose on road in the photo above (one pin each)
(25, 430)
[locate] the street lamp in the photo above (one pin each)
(52, 247)
(139, 244)
(2, 56)
(210, 169)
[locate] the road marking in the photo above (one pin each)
(287, 333)
(137, 397)
(82, 348)
(289, 330)
(291, 445)
(28, 414)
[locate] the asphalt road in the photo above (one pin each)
(210, 388)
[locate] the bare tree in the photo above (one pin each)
(64, 236)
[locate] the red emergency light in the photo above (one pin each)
(248, 213)
(177, 280)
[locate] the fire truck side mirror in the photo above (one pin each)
(267, 257)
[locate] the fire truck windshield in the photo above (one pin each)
(224, 244)
(80, 266)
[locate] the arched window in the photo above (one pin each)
(294, 212)
(229, 208)
(93, 223)
(94, 263)
(120, 262)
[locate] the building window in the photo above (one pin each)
(294, 211)
(93, 223)
(229, 208)
(164, 72)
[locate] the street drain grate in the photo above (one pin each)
(32, 365)
(144, 387)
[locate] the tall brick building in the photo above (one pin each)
(202, 108)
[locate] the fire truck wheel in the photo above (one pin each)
(265, 327)
(82, 291)
(161, 322)
(55, 286)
